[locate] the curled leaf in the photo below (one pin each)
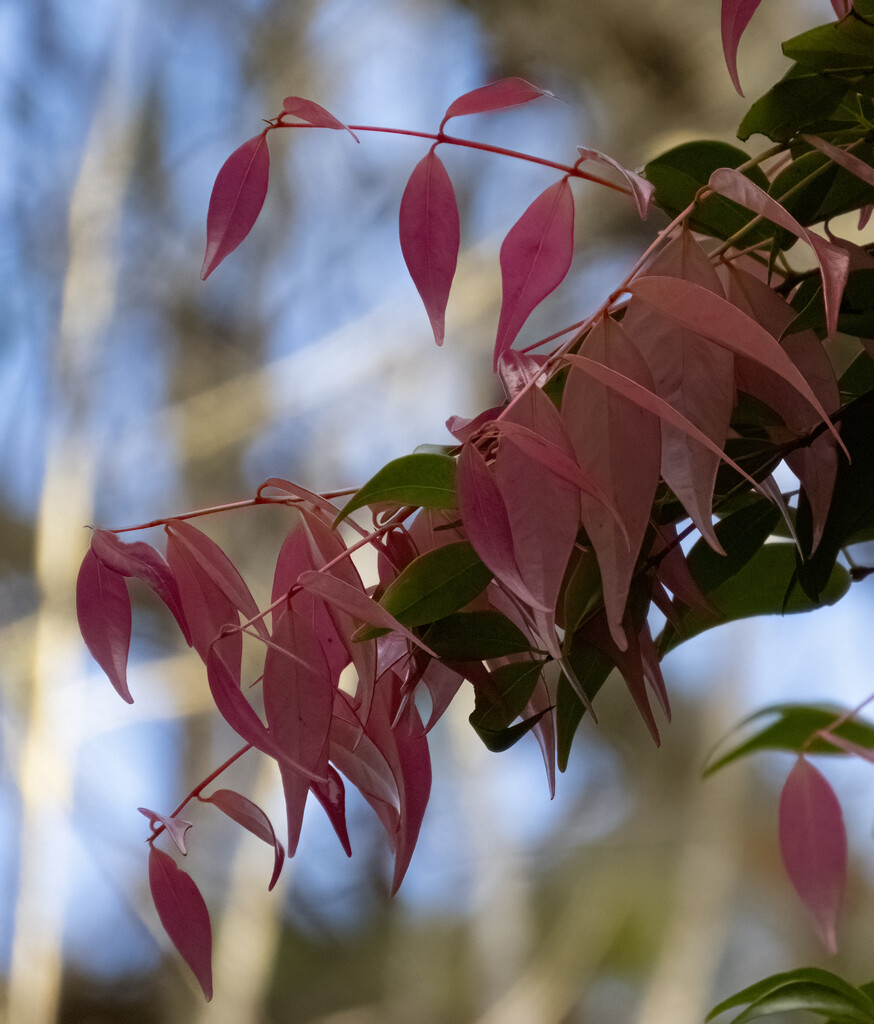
(535, 258)
(248, 814)
(236, 200)
(736, 15)
(430, 236)
(176, 827)
(641, 189)
(183, 915)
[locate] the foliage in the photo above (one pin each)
(525, 559)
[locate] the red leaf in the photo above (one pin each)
(518, 369)
(736, 15)
(430, 236)
(183, 915)
(506, 92)
(298, 699)
(176, 827)
(641, 189)
(849, 161)
(103, 611)
(332, 796)
(813, 843)
(535, 257)
(415, 768)
(236, 200)
(143, 562)
(313, 113)
(248, 814)
(834, 261)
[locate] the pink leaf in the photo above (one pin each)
(813, 843)
(834, 261)
(103, 611)
(143, 562)
(248, 814)
(618, 443)
(710, 316)
(219, 568)
(736, 15)
(518, 369)
(641, 189)
(183, 915)
(842, 7)
(506, 92)
(415, 767)
(236, 200)
(430, 236)
(535, 257)
(176, 827)
(849, 161)
(332, 796)
(313, 113)
(298, 698)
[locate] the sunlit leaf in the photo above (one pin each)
(506, 92)
(426, 480)
(313, 113)
(813, 843)
(183, 915)
(104, 614)
(430, 236)
(176, 827)
(236, 200)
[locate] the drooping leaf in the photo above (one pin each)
(813, 843)
(736, 15)
(313, 113)
(512, 686)
(591, 668)
(499, 740)
(143, 562)
(834, 262)
(176, 827)
(415, 767)
(104, 614)
(475, 636)
(506, 92)
(332, 796)
(244, 812)
(183, 915)
(792, 727)
(535, 257)
(430, 236)
(641, 189)
(298, 701)
(236, 200)
(425, 479)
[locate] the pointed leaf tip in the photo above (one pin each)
(506, 92)
(183, 915)
(104, 613)
(813, 844)
(736, 15)
(430, 236)
(236, 200)
(314, 114)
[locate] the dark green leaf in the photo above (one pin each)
(426, 480)
(475, 636)
(680, 173)
(792, 729)
(511, 690)
(846, 45)
(502, 739)
(858, 378)
(741, 535)
(794, 104)
(591, 668)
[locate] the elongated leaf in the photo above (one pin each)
(332, 796)
(176, 827)
(415, 768)
(430, 236)
(535, 257)
(436, 584)
(641, 189)
(183, 915)
(476, 636)
(313, 113)
(506, 92)
(236, 200)
(793, 727)
(104, 614)
(810, 981)
(736, 15)
(244, 812)
(813, 843)
(220, 569)
(849, 161)
(425, 479)
(834, 262)
(143, 562)
(712, 317)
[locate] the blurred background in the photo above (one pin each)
(130, 390)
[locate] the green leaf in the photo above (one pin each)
(426, 479)
(498, 740)
(512, 688)
(679, 174)
(591, 668)
(845, 45)
(764, 586)
(858, 377)
(791, 731)
(433, 586)
(475, 636)
(795, 103)
(741, 535)
(809, 988)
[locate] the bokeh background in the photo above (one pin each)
(130, 390)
